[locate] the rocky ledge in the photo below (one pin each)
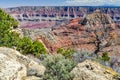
(15, 66)
(91, 70)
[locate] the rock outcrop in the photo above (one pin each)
(100, 30)
(14, 65)
(11, 69)
(90, 70)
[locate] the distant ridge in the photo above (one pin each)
(103, 6)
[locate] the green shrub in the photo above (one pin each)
(24, 45)
(38, 48)
(12, 39)
(104, 59)
(105, 56)
(66, 52)
(60, 50)
(7, 37)
(9, 40)
(58, 68)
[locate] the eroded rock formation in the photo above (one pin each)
(38, 17)
(78, 33)
(15, 66)
(83, 33)
(91, 70)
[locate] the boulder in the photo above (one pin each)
(11, 69)
(21, 62)
(91, 70)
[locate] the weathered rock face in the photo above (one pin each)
(14, 65)
(10, 69)
(26, 13)
(90, 70)
(33, 78)
(97, 18)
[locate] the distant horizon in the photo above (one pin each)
(19, 3)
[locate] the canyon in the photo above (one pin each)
(66, 26)
(91, 29)
(51, 16)
(56, 42)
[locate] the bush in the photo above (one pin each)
(66, 52)
(6, 24)
(12, 39)
(24, 45)
(58, 68)
(105, 56)
(104, 59)
(114, 59)
(114, 63)
(81, 55)
(38, 48)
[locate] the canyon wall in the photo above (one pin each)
(53, 16)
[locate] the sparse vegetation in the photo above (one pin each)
(81, 55)
(65, 52)
(105, 56)
(104, 59)
(58, 68)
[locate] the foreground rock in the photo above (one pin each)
(10, 69)
(15, 66)
(33, 78)
(90, 70)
